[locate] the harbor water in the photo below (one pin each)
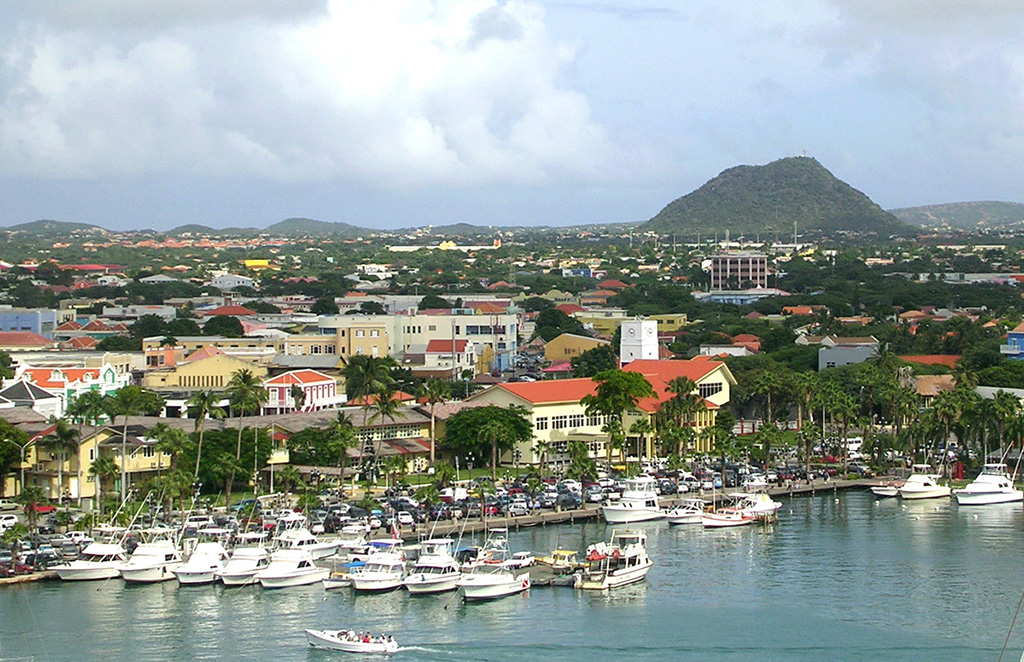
(840, 577)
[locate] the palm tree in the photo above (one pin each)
(205, 404)
(385, 406)
(298, 396)
(444, 473)
(500, 436)
(641, 428)
(90, 408)
(63, 439)
(804, 385)
(435, 391)
(131, 401)
(343, 437)
(102, 468)
(171, 442)
(246, 393)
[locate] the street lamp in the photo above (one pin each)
(22, 448)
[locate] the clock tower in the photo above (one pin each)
(639, 340)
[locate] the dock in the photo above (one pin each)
(44, 576)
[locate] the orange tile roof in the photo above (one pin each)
(299, 377)
(22, 339)
(440, 345)
(234, 311)
(401, 396)
(948, 360)
(569, 308)
(204, 353)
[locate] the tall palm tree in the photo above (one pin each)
(171, 442)
(102, 469)
(246, 394)
(63, 439)
(131, 401)
(343, 437)
(385, 407)
(205, 404)
(89, 408)
(435, 391)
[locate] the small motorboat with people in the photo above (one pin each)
(489, 577)
(202, 565)
(621, 561)
(384, 569)
(152, 562)
(436, 570)
(350, 641)
(923, 483)
(639, 503)
(993, 485)
(291, 567)
(688, 511)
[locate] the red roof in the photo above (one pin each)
(445, 346)
(565, 366)
(299, 377)
(233, 311)
(203, 353)
(948, 360)
(70, 325)
(611, 284)
(569, 308)
(401, 396)
(22, 339)
(559, 390)
(83, 342)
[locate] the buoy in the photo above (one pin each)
(837, 500)
(975, 517)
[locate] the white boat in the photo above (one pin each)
(758, 505)
(488, 577)
(291, 567)
(621, 561)
(887, 490)
(436, 570)
(688, 511)
(303, 539)
(726, 517)
(384, 569)
(152, 562)
(341, 576)
(993, 485)
(202, 565)
(639, 503)
(99, 560)
(344, 640)
(242, 566)
(923, 484)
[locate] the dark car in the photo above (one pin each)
(567, 501)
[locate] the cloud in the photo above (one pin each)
(396, 94)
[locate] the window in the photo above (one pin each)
(709, 389)
(559, 422)
(541, 423)
(576, 420)
(432, 327)
(360, 333)
(375, 333)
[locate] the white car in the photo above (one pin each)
(7, 521)
(80, 538)
(7, 504)
(405, 518)
(520, 560)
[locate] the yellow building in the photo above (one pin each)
(260, 265)
(208, 368)
(604, 321)
(669, 323)
(256, 349)
(569, 345)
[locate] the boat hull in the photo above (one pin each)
(420, 584)
(302, 579)
(614, 579)
(614, 515)
(72, 573)
(683, 518)
(483, 590)
(195, 578)
(371, 584)
(937, 492)
(716, 521)
(330, 640)
(149, 575)
(240, 578)
(885, 491)
(987, 498)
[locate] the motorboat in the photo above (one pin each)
(758, 505)
(688, 511)
(152, 562)
(560, 560)
(436, 570)
(291, 567)
(349, 642)
(489, 577)
(99, 560)
(887, 490)
(923, 484)
(341, 575)
(384, 569)
(726, 517)
(303, 539)
(242, 566)
(202, 566)
(621, 561)
(993, 485)
(639, 503)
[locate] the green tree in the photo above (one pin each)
(131, 401)
(246, 395)
(102, 469)
(435, 391)
(551, 323)
(204, 404)
(616, 393)
(476, 431)
(223, 325)
(63, 440)
(14, 442)
(324, 306)
(594, 361)
(581, 466)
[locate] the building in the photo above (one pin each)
(569, 345)
(166, 313)
(639, 340)
(24, 341)
(602, 321)
(41, 321)
(1014, 347)
(69, 382)
(319, 391)
(255, 349)
(733, 271)
(210, 368)
(840, 354)
(232, 282)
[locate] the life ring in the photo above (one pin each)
(595, 555)
(616, 554)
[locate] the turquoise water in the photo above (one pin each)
(852, 579)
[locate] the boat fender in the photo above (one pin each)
(595, 555)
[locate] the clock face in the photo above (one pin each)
(632, 332)
(650, 332)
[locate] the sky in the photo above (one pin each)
(153, 114)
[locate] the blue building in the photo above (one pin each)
(38, 320)
(1014, 347)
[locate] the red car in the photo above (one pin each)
(42, 509)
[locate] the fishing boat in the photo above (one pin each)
(341, 575)
(725, 518)
(923, 484)
(349, 642)
(688, 511)
(242, 566)
(887, 490)
(993, 485)
(203, 564)
(639, 503)
(291, 567)
(620, 562)
(436, 570)
(384, 569)
(99, 560)
(152, 562)
(488, 577)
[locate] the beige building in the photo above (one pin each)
(208, 368)
(604, 321)
(255, 349)
(569, 345)
(670, 322)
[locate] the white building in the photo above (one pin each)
(232, 281)
(639, 340)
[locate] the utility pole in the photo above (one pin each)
(22, 449)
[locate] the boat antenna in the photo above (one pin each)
(1012, 623)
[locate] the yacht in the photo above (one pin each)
(202, 566)
(291, 567)
(621, 561)
(242, 566)
(758, 505)
(688, 511)
(993, 485)
(303, 539)
(923, 484)
(639, 503)
(436, 570)
(384, 569)
(99, 560)
(489, 576)
(152, 562)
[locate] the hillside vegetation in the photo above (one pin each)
(768, 199)
(964, 215)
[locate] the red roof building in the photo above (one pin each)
(319, 391)
(232, 311)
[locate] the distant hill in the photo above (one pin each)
(307, 226)
(762, 199)
(46, 227)
(964, 215)
(191, 228)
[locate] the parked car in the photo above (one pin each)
(7, 504)
(518, 508)
(7, 521)
(81, 538)
(520, 560)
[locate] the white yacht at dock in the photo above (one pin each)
(993, 485)
(621, 561)
(639, 503)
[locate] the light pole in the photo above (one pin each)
(22, 448)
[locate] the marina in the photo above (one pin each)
(805, 588)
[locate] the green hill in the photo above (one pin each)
(964, 215)
(763, 199)
(47, 227)
(309, 227)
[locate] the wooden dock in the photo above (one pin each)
(44, 576)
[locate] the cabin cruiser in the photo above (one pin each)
(923, 484)
(303, 539)
(688, 511)
(242, 566)
(99, 560)
(757, 504)
(291, 567)
(436, 570)
(621, 561)
(639, 503)
(202, 565)
(489, 577)
(152, 562)
(726, 517)
(384, 569)
(993, 485)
